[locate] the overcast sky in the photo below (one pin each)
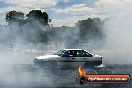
(68, 12)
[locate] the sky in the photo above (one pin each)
(68, 12)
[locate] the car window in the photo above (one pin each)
(60, 52)
(66, 54)
(69, 53)
(89, 55)
(73, 53)
(82, 53)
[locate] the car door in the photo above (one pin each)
(83, 55)
(70, 59)
(69, 56)
(77, 61)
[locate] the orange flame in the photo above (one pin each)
(81, 71)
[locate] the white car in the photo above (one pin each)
(69, 58)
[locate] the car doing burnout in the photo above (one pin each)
(69, 58)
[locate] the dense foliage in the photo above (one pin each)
(35, 28)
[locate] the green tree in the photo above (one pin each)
(38, 15)
(14, 16)
(90, 28)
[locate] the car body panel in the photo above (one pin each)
(70, 57)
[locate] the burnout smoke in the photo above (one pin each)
(16, 60)
(117, 49)
(21, 43)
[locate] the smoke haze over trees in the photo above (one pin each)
(34, 28)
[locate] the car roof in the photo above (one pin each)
(72, 49)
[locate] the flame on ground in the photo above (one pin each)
(81, 71)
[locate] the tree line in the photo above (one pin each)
(34, 15)
(34, 28)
